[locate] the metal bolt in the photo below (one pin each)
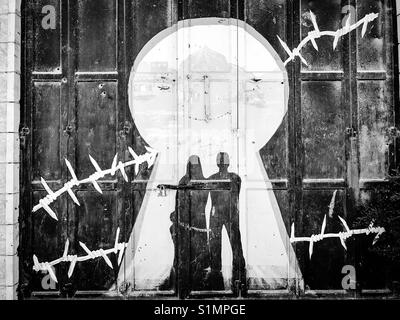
(68, 129)
(124, 287)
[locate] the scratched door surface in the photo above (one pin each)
(207, 213)
(332, 134)
(339, 130)
(74, 103)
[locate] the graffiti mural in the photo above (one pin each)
(211, 125)
(342, 236)
(199, 104)
(316, 34)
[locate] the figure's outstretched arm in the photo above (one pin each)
(217, 185)
(169, 186)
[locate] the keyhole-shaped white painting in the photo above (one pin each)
(202, 87)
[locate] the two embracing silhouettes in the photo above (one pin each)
(198, 263)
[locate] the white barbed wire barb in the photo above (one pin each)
(316, 34)
(343, 236)
(332, 204)
(118, 248)
(45, 202)
(323, 226)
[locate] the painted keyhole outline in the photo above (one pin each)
(160, 139)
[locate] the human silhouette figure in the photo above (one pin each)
(189, 231)
(225, 212)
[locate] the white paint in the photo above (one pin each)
(316, 34)
(52, 196)
(349, 280)
(340, 235)
(170, 108)
(47, 282)
(73, 259)
(49, 20)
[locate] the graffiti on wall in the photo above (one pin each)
(118, 249)
(116, 166)
(316, 34)
(217, 222)
(215, 134)
(347, 233)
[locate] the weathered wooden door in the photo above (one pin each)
(344, 105)
(330, 133)
(74, 106)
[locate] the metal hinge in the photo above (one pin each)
(68, 129)
(23, 133)
(351, 132)
(393, 132)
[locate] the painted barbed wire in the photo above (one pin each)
(316, 34)
(118, 248)
(44, 203)
(341, 235)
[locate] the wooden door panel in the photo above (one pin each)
(45, 57)
(269, 271)
(375, 111)
(323, 127)
(206, 234)
(267, 93)
(201, 9)
(47, 115)
(155, 89)
(329, 17)
(96, 221)
(371, 49)
(275, 156)
(47, 241)
(269, 18)
(197, 101)
(191, 239)
(210, 111)
(97, 35)
(323, 269)
(225, 247)
(374, 121)
(374, 271)
(148, 18)
(222, 92)
(97, 116)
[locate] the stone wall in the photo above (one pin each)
(10, 53)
